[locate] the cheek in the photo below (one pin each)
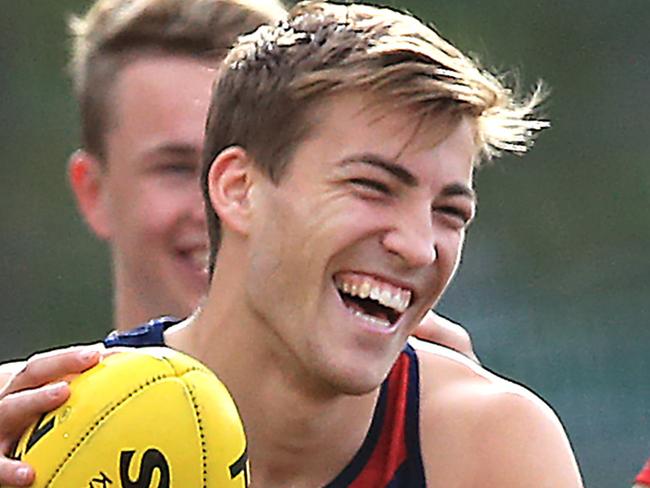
(151, 213)
(287, 248)
(340, 219)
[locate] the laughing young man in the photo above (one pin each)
(338, 176)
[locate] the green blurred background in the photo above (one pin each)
(555, 282)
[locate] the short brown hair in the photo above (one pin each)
(273, 78)
(111, 32)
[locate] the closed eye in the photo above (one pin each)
(179, 168)
(375, 185)
(456, 213)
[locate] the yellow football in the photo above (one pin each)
(145, 418)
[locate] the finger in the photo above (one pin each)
(51, 366)
(15, 473)
(19, 410)
(109, 351)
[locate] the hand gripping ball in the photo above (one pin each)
(146, 418)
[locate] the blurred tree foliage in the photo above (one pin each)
(555, 282)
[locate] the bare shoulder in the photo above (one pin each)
(479, 429)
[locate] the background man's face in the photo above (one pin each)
(154, 210)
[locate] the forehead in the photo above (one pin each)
(351, 124)
(157, 98)
(164, 81)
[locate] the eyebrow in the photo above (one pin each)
(179, 148)
(405, 176)
(458, 189)
(398, 171)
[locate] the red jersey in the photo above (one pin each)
(390, 455)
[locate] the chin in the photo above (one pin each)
(358, 389)
(357, 382)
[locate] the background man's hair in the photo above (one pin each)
(274, 78)
(113, 32)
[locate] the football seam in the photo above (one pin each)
(199, 423)
(199, 420)
(105, 415)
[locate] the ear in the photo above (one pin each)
(86, 177)
(230, 180)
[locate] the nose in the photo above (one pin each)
(413, 240)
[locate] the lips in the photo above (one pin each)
(379, 302)
(197, 258)
(200, 258)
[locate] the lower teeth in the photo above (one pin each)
(371, 319)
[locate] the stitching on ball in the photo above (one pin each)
(199, 422)
(101, 419)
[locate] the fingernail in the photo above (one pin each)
(22, 475)
(89, 355)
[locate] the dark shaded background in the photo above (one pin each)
(555, 282)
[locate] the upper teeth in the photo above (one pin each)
(387, 295)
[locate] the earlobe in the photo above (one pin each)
(85, 175)
(229, 182)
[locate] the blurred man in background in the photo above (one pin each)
(143, 72)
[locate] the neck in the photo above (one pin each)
(126, 311)
(288, 422)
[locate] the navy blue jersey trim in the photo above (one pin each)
(417, 477)
(149, 334)
(404, 479)
(361, 458)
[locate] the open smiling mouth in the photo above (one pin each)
(197, 258)
(375, 301)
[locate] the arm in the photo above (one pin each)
(440, 330)
(29, 389)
